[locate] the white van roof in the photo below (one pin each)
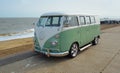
(62, 13)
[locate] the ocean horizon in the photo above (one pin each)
(14, 25)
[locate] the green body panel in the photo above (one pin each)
(48, 45)
(88, 33)
(83, 35)
(68, 37)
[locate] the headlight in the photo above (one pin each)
(54, 43)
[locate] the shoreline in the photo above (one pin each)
(19, 35)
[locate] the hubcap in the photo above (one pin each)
(74, 50)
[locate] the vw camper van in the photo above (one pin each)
(62, 34)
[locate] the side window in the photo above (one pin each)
(82, 20)
(70, 21)
(73, 21)
(93, 19)
(88, 21)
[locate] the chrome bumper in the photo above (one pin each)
(54, 54)
(57, 54)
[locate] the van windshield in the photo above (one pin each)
(49, 21)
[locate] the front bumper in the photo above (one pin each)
(48, 53)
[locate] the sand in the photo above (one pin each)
(15, 46)
(20, 45)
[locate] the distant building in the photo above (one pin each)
(109, 21)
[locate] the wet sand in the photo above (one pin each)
(15, 46)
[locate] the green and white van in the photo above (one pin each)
(61, 34)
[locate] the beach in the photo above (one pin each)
(16, 35)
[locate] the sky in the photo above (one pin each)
(34, 8)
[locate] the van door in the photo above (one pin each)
(88, 29)
(82, 31)
(70, 32)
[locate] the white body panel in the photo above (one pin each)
(44, 33)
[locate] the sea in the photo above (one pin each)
(17, 28)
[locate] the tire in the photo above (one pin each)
(36, 52)
(95, 41)
(73, 50)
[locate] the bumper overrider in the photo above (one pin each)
(48, 53)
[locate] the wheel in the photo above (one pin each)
(73, 50)
(95, 41)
